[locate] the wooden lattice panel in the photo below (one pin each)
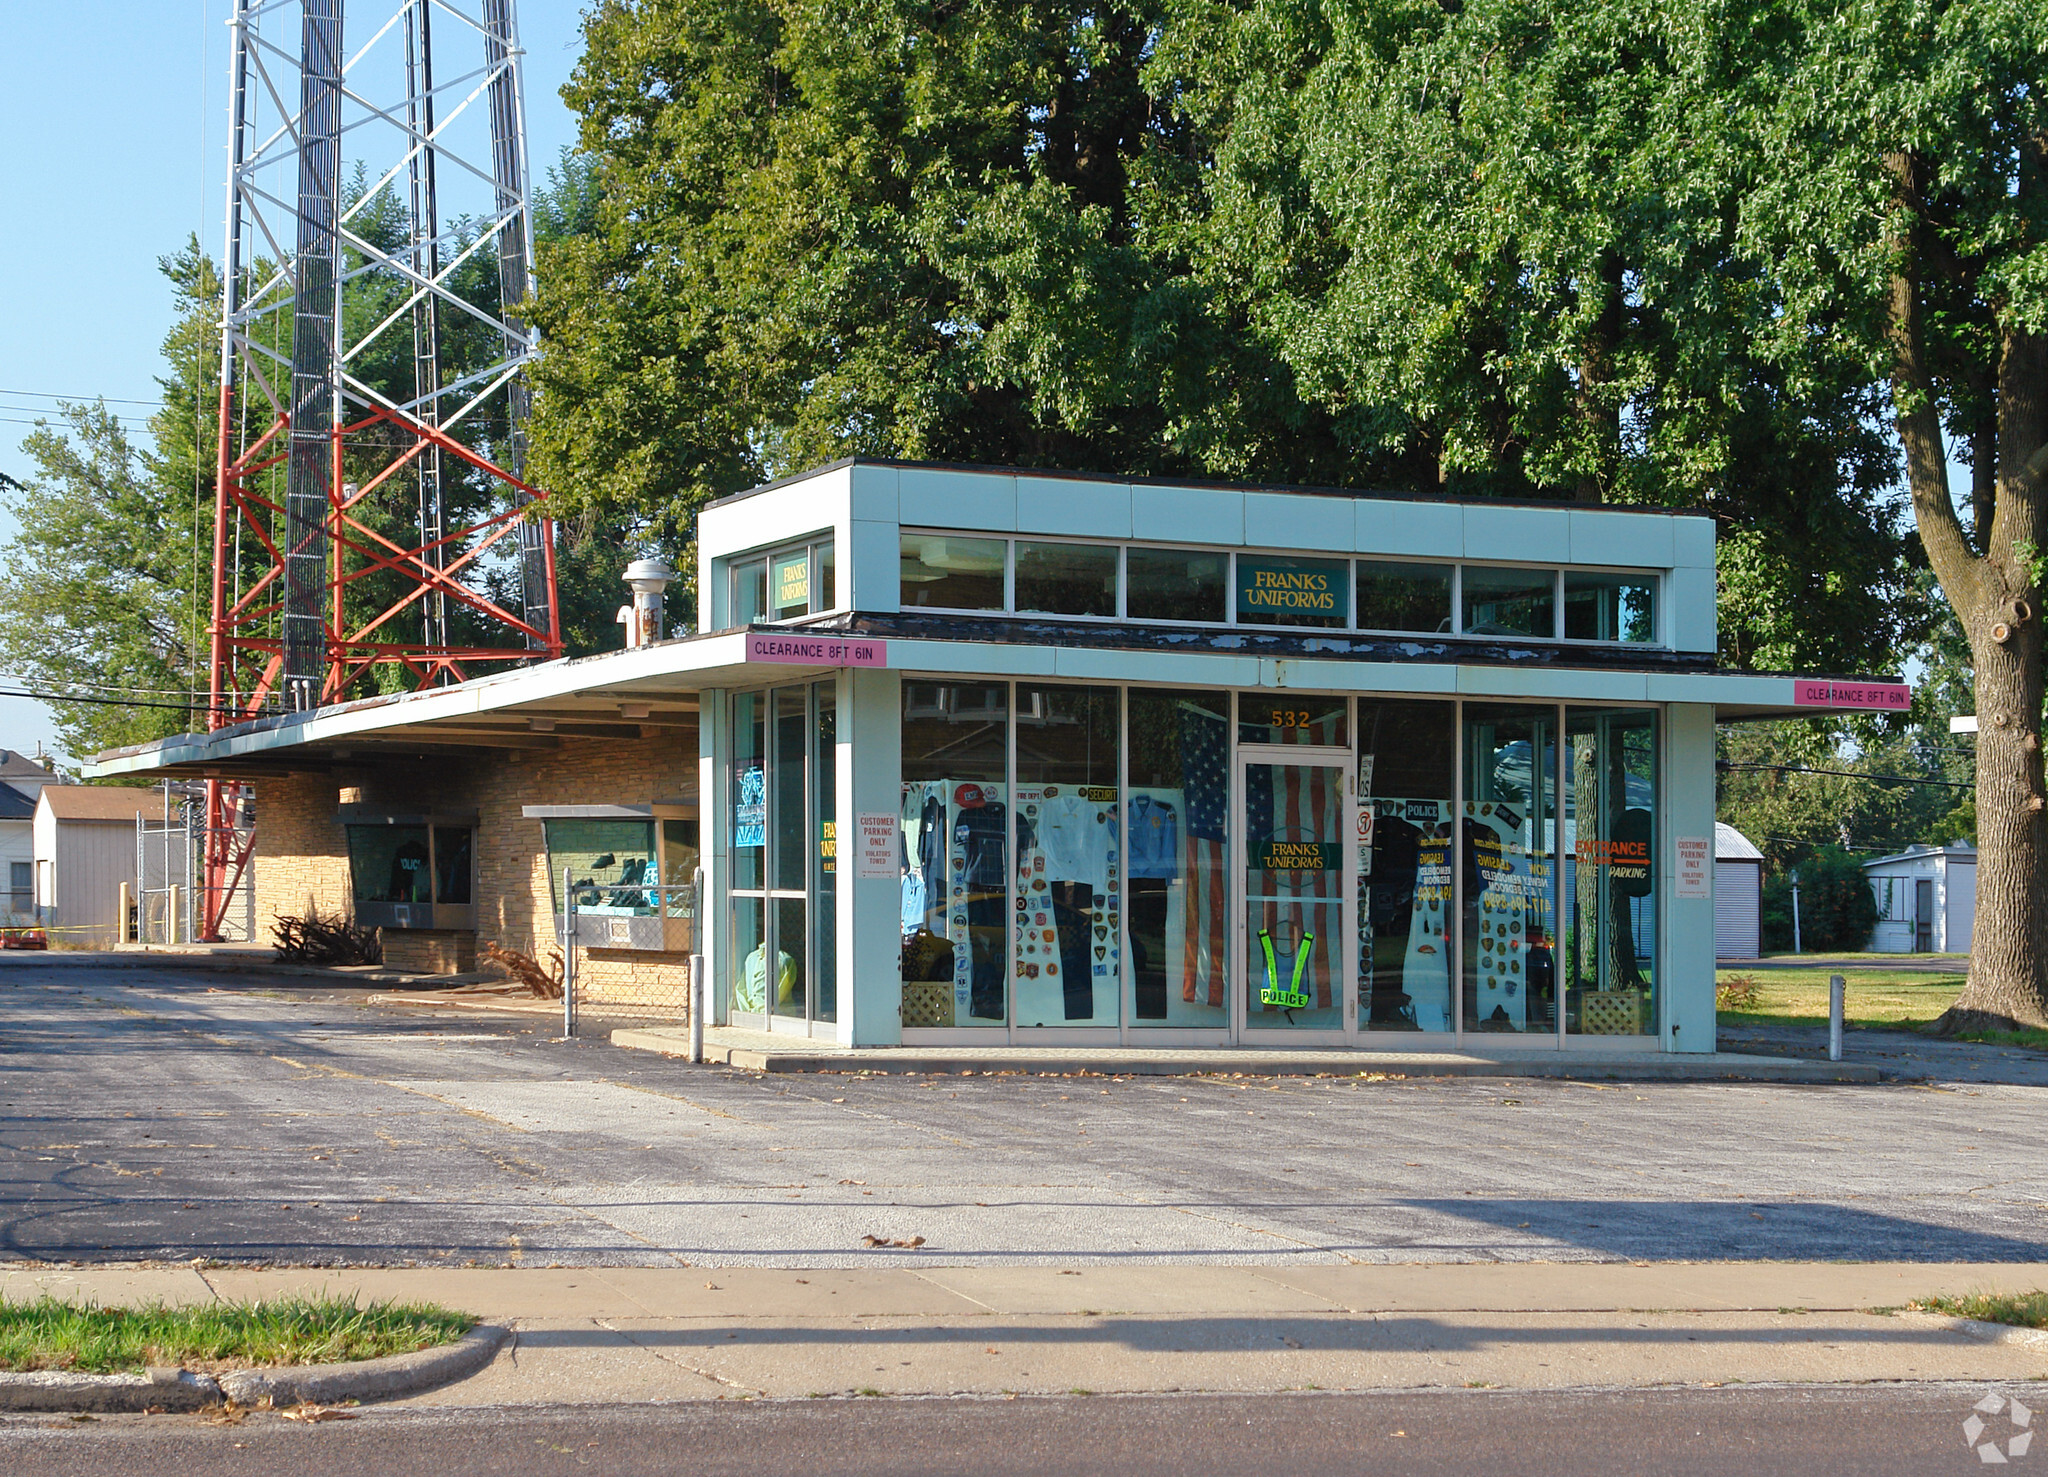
(928, 1003)
(1611, 1013)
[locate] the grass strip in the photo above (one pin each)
(2020, 1309)
(52, 1334)
(1900, 1001)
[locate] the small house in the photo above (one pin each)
(1926, 899)
(21, 780)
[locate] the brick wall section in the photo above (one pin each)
(301, 852)
(429, 950)
(302, 849)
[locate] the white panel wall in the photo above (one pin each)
(1689, 1023)
(871, 908)
(1738, 910)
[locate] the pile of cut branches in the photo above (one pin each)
(325, 938)
(543, 982)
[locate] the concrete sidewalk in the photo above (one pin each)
(629, 1334)
(758, 1051)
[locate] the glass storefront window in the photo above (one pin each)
(1177, 585)
(1509, 869)
(790, 773)
(1406, 773)
(390, 864)
(1277, 590)
(791, 826)
(1292, 718)
(749, 791)
(1609, 607)
(1294, 937)
(1404, 597)
(783, 842)
(1067, 961)
(1066, 579)
(956, 847)
(825, 858)
(1611, 876)
(1509, 602)
(749, 951)
(949, 572)
(749, 592)
(1176, 829)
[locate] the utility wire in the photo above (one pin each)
(110, 702)
(80, 399)
(1895, 779)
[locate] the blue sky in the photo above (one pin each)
(113, 120)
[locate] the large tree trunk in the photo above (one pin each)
(1996, 598)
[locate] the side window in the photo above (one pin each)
(749, 592)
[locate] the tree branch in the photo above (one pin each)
(1962, 574)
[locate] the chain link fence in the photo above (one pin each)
(627, 951)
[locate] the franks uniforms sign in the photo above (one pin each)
(816, 651)
(1272, 587)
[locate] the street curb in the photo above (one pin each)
(246, 963)
(324, 1384)
(1236, 1062)
(160, 1389)
(2000, 1333)
(368, 1379)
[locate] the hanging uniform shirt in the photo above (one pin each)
(980, 833)
(1154, 838)
(1076, 838)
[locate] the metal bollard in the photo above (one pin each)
(697, 1007)
(568, 953)
(1837, 989)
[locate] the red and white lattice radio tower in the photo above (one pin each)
(373, 527)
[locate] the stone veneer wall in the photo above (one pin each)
(302, 847)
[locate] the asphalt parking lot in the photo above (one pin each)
(165, 1114)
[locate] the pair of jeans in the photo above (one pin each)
(1072, 919)
(987, 939)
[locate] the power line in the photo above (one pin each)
(82, 399)
(1894, 779)
(107, 702)
(105, 687)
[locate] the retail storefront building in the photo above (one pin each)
(975, 755)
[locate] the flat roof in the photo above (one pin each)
(642, 691)
(1071, 474)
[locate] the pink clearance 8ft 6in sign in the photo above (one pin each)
(816, 651)
(1818, 692)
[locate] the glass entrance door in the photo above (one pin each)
(1295, 936)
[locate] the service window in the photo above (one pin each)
(390, 864)
(412, 873)
(610, 862)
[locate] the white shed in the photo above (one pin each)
(1738, 894)
(1926, 899)
(85, 850)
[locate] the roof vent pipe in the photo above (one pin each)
(648, 579)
